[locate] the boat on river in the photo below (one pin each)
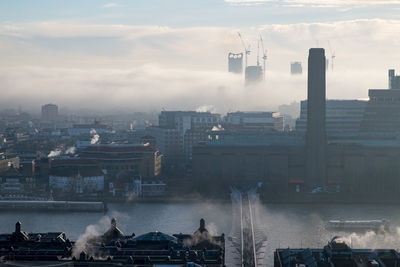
(358, 225)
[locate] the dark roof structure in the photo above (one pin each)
(336, 254)
(73, 171)
(113, 248)
(118, 148)
(155, 236)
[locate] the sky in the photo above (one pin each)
(131, 55)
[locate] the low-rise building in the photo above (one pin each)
(15, 181)
(177, 132)
(77, 180)
(129, 185)
(7, 162)
(382, 112)
(361, 167)
(254, 120)
(87, 129)
(153, 188)
(169, 144)
(342, 116)
(141, 159)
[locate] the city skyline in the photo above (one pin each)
(270, 127)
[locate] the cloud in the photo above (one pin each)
(110, 5)
(248, 2)
(143, 88)
(317, 3)
(152, 67)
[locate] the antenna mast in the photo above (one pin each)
(264, 54)
(333, 54)
(246, 49)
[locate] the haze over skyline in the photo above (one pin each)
(148, 55)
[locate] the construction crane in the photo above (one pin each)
(333, 55)
(264, 54)
(246, 49)
(258, 52)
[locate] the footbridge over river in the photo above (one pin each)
(248, 240)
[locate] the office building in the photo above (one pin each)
(87, 129)
(77, 180)
(168, 143)
(342, 116)
(253, 74)
(140, 159)
(235, 62)
(382, 112)
(49, 112)
(178, 131)
(243, 158)
(183, 120)
(394, 80)
(272, 121)
(296, 68)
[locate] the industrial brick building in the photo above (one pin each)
(142, 159)
(369, 168)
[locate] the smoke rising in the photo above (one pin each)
(54, 153)
(206, 108)
(95, 137)
(61, 150)
(70, 150)
(92, 232)
(374, 240)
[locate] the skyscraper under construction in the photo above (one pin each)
(235, 62)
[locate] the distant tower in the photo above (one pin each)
(296, 68)
(49, 112)
(394, 80)
(235, 62)
(316, 133)
(391, 75)
(253, 74)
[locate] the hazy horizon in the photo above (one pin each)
(112, 56)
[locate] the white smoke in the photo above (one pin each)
(217, 128)
(212, 228)
(93, 232)
(206, 108)
(60, 150)
(374, 240)
(70, 150)
(95, 137)
(55, 153)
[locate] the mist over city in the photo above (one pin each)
(200, 133)
(114, 66)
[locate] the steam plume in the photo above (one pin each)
(95, 137)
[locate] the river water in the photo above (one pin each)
(285, 225)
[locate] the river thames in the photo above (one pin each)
(285, 225)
